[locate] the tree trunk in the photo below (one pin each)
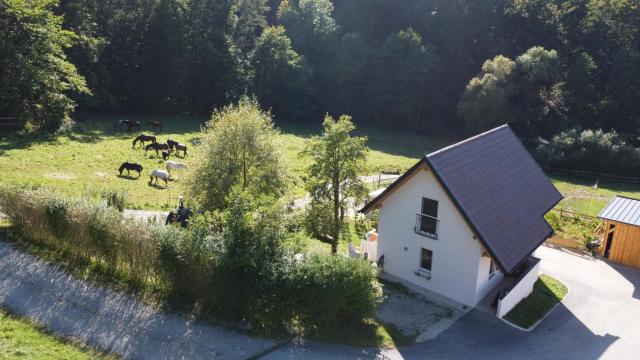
(336, 216)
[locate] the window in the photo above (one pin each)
(426, 257)
(492, 269)
(427, 223)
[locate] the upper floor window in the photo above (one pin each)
(427, 220)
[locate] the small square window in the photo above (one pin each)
(426, 258)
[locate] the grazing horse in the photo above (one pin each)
(177, 146)
(157, 126)
(156, 147)
(173, 165)
(130, 166)
(159, 174)
(126, 123)
(165, 154)
(143, 138)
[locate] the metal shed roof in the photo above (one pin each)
(622, 209)
(499, 189)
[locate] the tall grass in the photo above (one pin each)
(84, 229)
(234, 264)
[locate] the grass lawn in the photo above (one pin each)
(580, 195)
(22, 339)
(86, 162)
(547, 292)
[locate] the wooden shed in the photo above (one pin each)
(621, 241)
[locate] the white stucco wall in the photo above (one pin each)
(521, 290)
(456, 254)
(484, 284)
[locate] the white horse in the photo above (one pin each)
(159, 174)
(174, 165)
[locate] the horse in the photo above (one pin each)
(130, 166)
(159, 174)
(165, 154)
(156, 147)
(177, 146)
(173, 165)
(181, 215)
(128, 124)
(156, 125)
(142, 138)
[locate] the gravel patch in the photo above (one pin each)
(150, 215)
(415, 315)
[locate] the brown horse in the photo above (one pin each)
(143, 138)
(157, 126)
(156, 147)
(130, 166)
(174, 145)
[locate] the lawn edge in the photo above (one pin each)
(535, 325)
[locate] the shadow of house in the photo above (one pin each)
(480, 336)
(630, 274)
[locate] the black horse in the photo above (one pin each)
(130, 166)
(174, 145)
(143, 138)
(156, 147)
(165, 154)
(127, 124)
(157, 126)
(180, 215)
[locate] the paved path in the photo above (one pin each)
(109, 320)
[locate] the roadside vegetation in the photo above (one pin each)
(22, 339)
(547, 292)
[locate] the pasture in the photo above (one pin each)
(86, 162)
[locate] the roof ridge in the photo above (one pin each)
(626, 197)
(473, 138)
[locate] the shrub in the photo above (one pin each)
(590, 150)
(115, 199)
(238, 264)
(326, 291)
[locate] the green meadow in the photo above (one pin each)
(85, 162)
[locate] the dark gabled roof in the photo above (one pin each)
(499, 189)
(622, 209)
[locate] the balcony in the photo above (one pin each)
(427, 226)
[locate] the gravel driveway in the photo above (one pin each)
(33, 288)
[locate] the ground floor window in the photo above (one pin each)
(426, 257)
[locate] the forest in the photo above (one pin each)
(564, 73)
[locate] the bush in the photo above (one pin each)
(238, 264)
(328, 291)
(83, 229)
(590, 150)
(115, 199)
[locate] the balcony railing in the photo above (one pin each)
(427, 225)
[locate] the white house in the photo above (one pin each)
(464, 217)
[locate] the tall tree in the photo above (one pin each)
(239, 148)
(337, 161)
(281, 76)
(403, 82)
(36, 79)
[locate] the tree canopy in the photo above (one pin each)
(239, 149)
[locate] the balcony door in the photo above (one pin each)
(429, 218)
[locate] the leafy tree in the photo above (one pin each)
(36, 79)
(239, 148)
(526, 92)
(337, 161)
(485, 101)
(249, 22)
(403, 81)
(280, 75)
